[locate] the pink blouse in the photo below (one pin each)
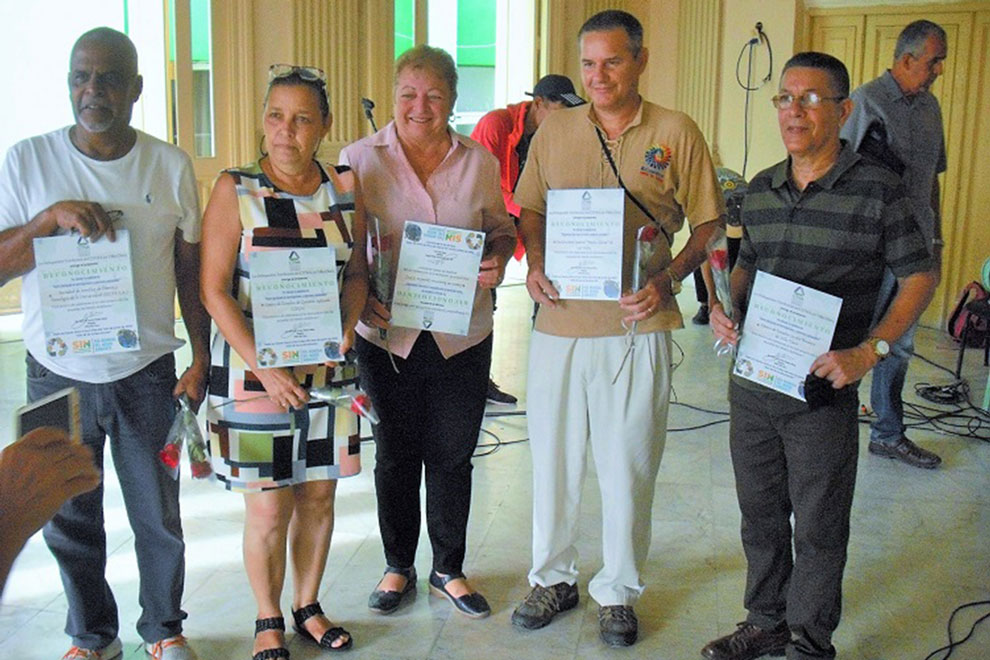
(462, 192)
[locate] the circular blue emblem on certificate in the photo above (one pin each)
(127, 338)
(332, 350)
(611, 288)
(413, 233)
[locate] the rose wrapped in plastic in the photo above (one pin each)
(718, 259)
(185, 432)
(351, 399)
(381, 274)
(348, 398)
(646, 246)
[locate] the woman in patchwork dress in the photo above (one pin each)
(267, 438)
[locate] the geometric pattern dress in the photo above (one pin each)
(255, 445)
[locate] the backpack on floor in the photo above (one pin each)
(961, 316)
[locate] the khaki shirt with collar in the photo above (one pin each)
(664, 161)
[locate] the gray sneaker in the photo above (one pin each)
(618, 625)
(112, 651)
(543, 604)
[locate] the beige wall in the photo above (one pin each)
(739, 18)
(561, 20)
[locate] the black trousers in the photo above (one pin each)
(431, 414)
(789, 460)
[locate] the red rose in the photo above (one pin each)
(360, 404)
(648, 233)
(719, 259)
(170, 455)
(200, 469)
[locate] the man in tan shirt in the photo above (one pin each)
(582, 386)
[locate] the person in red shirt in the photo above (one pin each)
(506, 133)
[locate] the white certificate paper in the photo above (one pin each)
(296, 306)
(787, 326)
(437, 278)
(584, 242)
(87, 295)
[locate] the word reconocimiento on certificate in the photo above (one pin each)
(584, 229)
(87, 295)
(295, 304)
(787, 327)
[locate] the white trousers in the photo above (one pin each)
(570, 400)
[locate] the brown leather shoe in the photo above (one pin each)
(906, 451)
(748, 642)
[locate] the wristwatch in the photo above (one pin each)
(674, 281)
(880, 347)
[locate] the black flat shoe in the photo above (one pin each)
(271, 623)
(329, 637)
(386, 602)
(473, 605)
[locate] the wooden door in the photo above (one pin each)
(864, 38)
(969, 239)
(842, 36)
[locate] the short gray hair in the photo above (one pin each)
(616, 19)
(913, 38)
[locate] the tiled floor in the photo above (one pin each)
(920, 542)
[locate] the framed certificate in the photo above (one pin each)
(87, 295)
(437, 277)
(787, 327)
(583, 257)
(295, 304)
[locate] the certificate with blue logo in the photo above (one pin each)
(583, 253)
(437, 278)
(787, 327)
(87, 295)
(295, 305)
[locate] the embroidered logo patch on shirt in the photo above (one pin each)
(657, 160)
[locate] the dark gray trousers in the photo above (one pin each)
(135, 413)
(790, 461)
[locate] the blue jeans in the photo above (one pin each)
(888, 375)
(136, 413)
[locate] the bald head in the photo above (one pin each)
(104, 85)
(117, 43)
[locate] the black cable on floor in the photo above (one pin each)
(952, 645)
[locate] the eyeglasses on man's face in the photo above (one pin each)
(807, 101)
(310, 73)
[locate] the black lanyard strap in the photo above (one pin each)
(639, 204)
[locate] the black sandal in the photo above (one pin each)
(271, 623)
(329, 637)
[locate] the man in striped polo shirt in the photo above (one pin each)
(829, 219)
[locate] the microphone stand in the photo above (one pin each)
(368, 106)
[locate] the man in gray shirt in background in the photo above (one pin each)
(896, 119)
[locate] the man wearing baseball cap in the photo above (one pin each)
(506, 132)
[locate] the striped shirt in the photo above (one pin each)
(836, 235)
